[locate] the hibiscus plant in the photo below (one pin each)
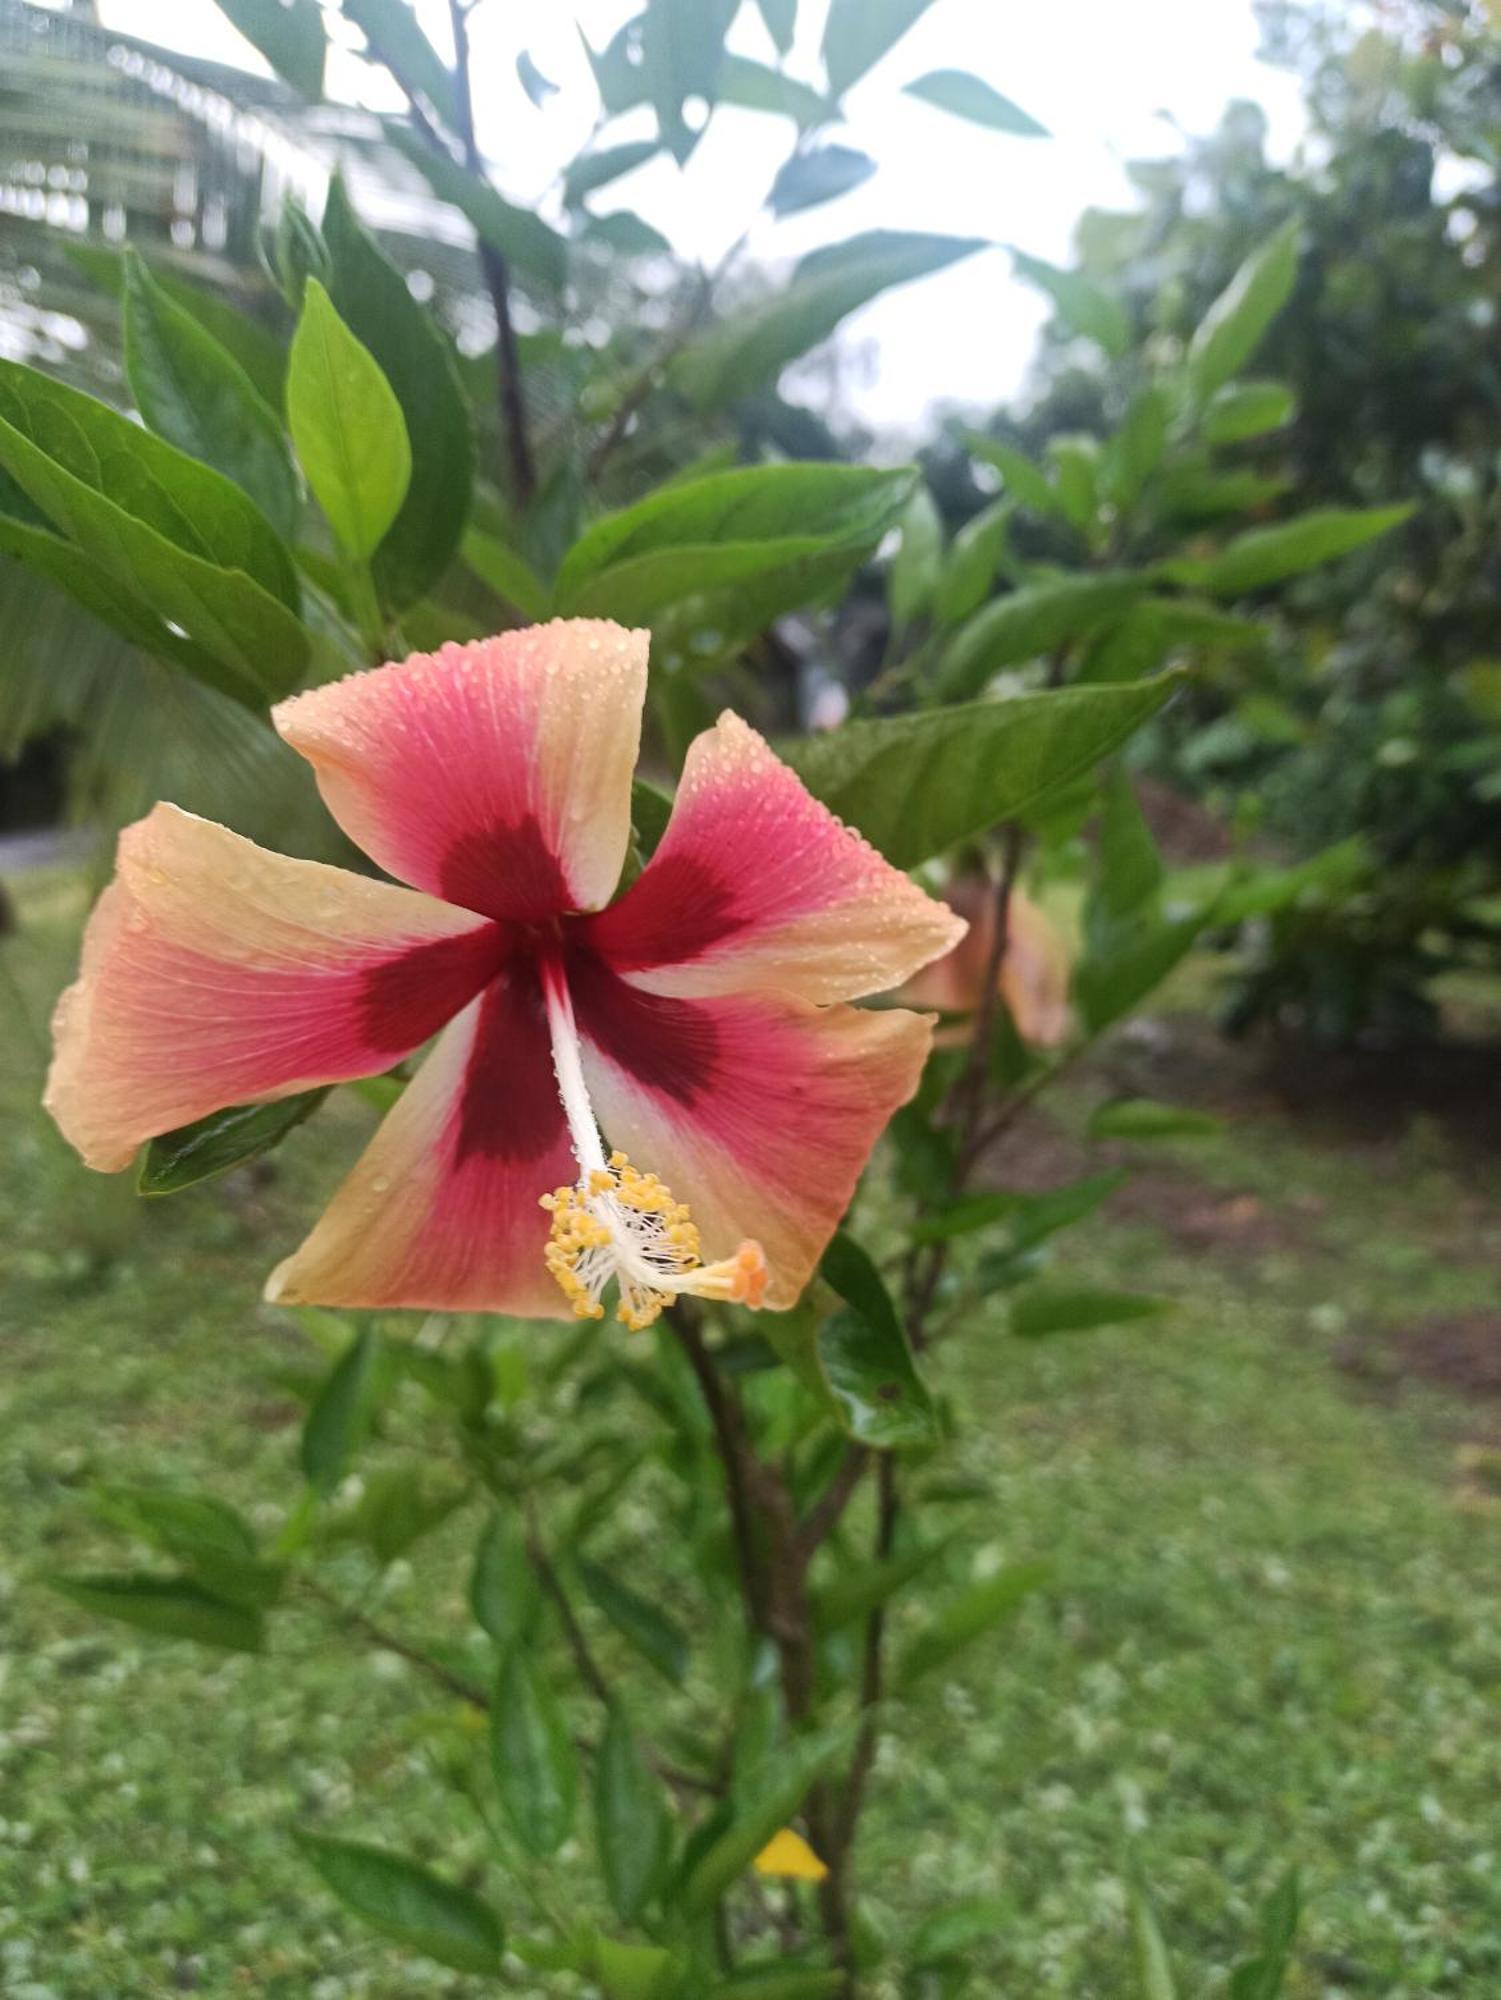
(685, 972)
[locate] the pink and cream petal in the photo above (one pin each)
(442, 1211)
(758, 1110)
(758, 887)
(496, 775)
(1034, 973)
(215, 973)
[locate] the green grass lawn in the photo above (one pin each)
(1273, 1635)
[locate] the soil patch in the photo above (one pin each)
(1459, 1351)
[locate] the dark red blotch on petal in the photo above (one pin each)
(506, 871)
(406, 999)
(670, 1045)
(678, 908)
(509, 1108)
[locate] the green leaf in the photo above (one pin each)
(406, 1902)
(820, 174)
(418, 361)
(289, 34)
(780, 17)
(967, 96)
(1263, 1977)
(507, 574)
(780, 1983)
(537, 86)
(504, 1591)
(536, 1769)
(682, 46)
(1116, 976)
(348, 427)
(626, 235)
(596, 170)
(1248, 409)
(859, 32)
(858, 1590)
(781, 1785)
(750, 349)
(636, 1971)
(395, 1510)
(340, 1418)
(865, 1357)
(1267, 555)
(1034, 620)
(395, 39)
(1135, 452)
(174, 534)
(973, 560)
(916, 784)
(755, 86)
(1046, 1309)
(656, 1636)
(975, 1611)
(1080, 304)
(1129, 867)
(914, 572)
(528, 243)
(1141, 1118)
(249, 340)
(211, 1146)
(1148, 633)
(650, 811)
(1024, 481)
(170, 1607)
(197, 396)
(633, 1828)
(712, 539)
(1031, 1219)
(1154, 1968)
(1232, 329)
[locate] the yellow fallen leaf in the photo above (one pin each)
(789, 1856)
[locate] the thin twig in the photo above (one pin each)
(735, 1454)
(824, 1515)
(392, 1642)
(552, 1583)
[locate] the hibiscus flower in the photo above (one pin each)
(699, 1020)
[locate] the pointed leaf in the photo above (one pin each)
(656, 1636)
(533, 246)
(866, 1359)
(1267, 555)
(1232, 329)
(504, 1591)
(211, 1146)
(1032, 621)
(536, 1769)
(820, 174)
(347, 425)
(632, 1824)
(408, 1903)
(171, 1607)
(1154, 1968)
(1080, 304)
(915, 568)
(1140, 1118)
(596, 170)
(289, 34)
(967, 96)
(1247, 410)
(859, 32)
(975, 1611)
(1041, 1310)
(341, 1415)
(755, 86)
(779, 1790)
(391, 29)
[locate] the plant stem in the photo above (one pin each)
(392, 1642)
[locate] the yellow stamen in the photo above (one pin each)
(619, 1224)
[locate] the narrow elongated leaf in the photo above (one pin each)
(406, 1902)
(656, 1635)
(975, 1611)
(971, 97)
(755, 86)
(1247, 410)
(1150, 632)
(171, 1607)
(682, 46)
(596, 170)
(504, 1591)
(1032, 621)
(341, 1415)
(1140, 1118)
(537, 86)
(780, 17)
(507, 573)
(211, 1146)
(751, 349)
(973, 560)
(533, 246)
(1154, 1969)
(347, 425)
(1232, 329)
(916, 784)
(536, 1769)
(858, 33)
(857, 1591)
(1024, 481)
(866, 1360)
(914, 571)
(417, 360)
(628, 1971)
(1135, 452)
(1047, 1309)
(632, 1825)
(1263, 1977)
(289, 34)
(251, 341)
(650, 811)
(818, 175)
(194, 393)
(1117, 975)
(1081, 305)
(391, 29)
(780, 1983)
(780, 1788)
(1268, 555)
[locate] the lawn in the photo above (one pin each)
(1272, 1636)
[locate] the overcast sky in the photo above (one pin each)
(1113, 80)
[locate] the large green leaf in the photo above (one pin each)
(971, 97)
(395, 38)
(533, 246)
(1081, 304)
(655, 1634)
(633, 1829)
(1149, 632)
(749, 349)
(194, 393)
(762, 1810)
(963, 1619)
(289, 34)
(171, 1607)
(408, 1903)
(1268, 555)
(858, 33)
(756, 86)
(865, 1357)
(504, 1591)
(211, 1146)
(1038, 618)
(347, 425)
(171, 532)
(536, 1768)
(343, 1411)
(1231, 330)
(418, 361)
(916, 784)
(1248, 409)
